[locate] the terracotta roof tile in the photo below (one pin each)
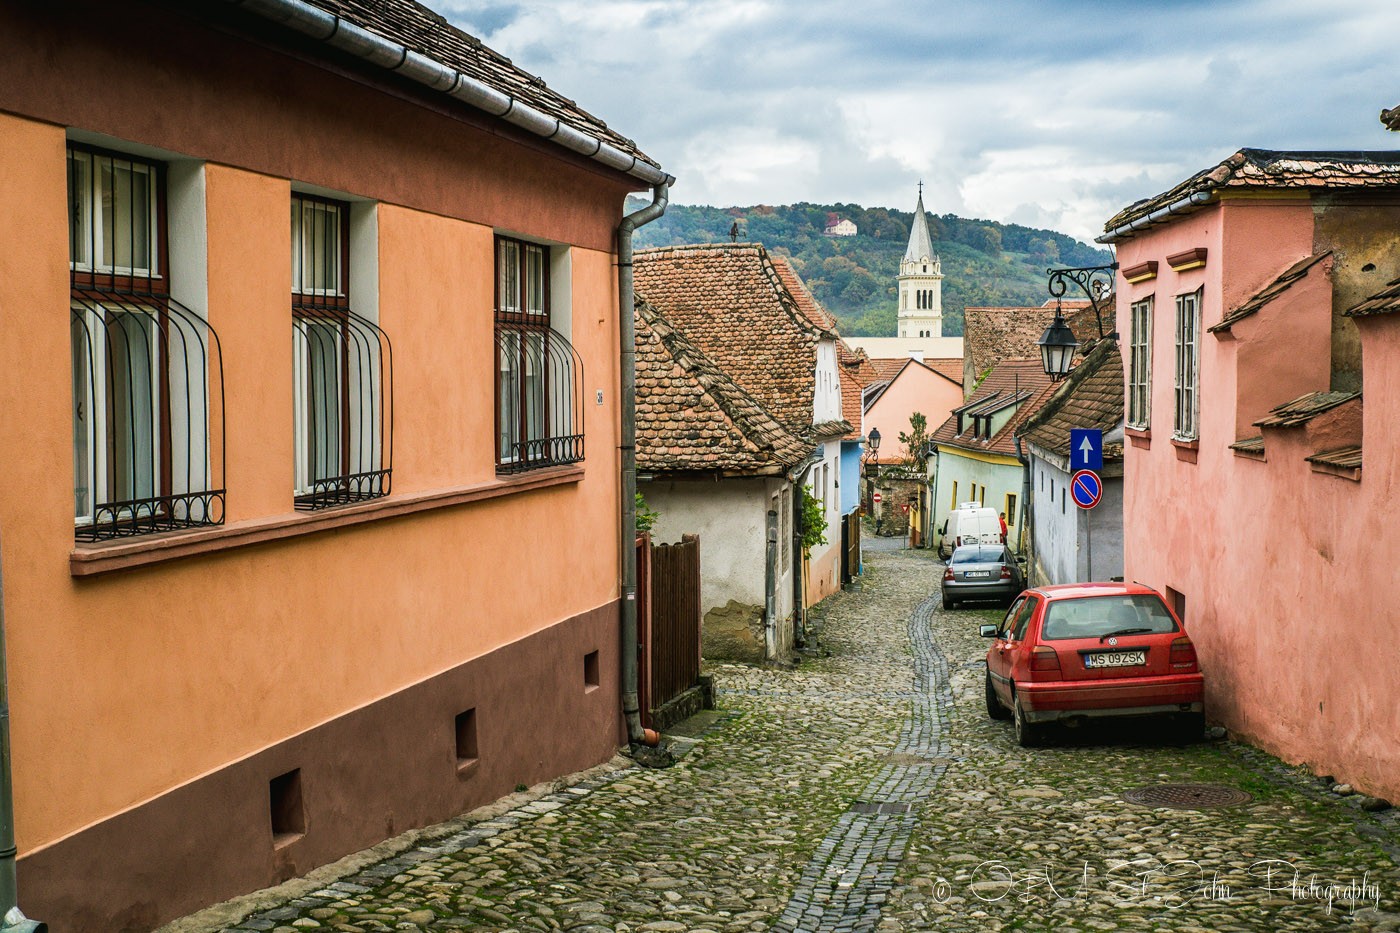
(1008, 379)
(1249, 445)
(1305, 408)
(991, 335)
(888, 369)
(801, 296)
(731, 303)
(1264, 168)
(1268, 293)
(1090, 397)
(1386, 301)
(1345, 457)
(418, 28)
(691, 417)
(951, 367)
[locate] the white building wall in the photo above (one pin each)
(826, 400)
(1062, 548)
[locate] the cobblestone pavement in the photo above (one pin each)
(867, 790)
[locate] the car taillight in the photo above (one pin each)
(959, 540)
(948, 574)
(1044, 658)
(1183, 652)
(1005, 572)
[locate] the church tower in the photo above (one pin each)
(920, 281)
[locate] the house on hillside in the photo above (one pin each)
(713, 462)
(1258, 306)
(298, 539)
(1069, 544)
(733, 304)
(840, 227)
(976, 458)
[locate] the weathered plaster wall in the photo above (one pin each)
(824, 565)
(1062, 549)
(1276, 563)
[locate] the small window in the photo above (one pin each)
(1024, 619)
(342, 401)
(1010, 508)
(590, 672)
(1188, 363)
(954, 504)
(465, 726)
(285, 808)
(539, 375)
(1140, 364)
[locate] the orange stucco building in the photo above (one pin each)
(294, 525)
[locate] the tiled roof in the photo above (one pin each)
(1009, 378)
(951, 368)
(1305, 408)
(1264, 168)
(1269, 292)
(888, 369)
(797, 288)
(1386, 301)
(692, 417)
(1249, 445)
(1091, 396)
(730, 301)
(856, 372)
(418, 28)
(1345, 457)
(991, 335)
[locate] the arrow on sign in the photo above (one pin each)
(1086, 446)
(1086, 449)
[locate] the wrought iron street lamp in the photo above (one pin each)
(874, 441)
(1057, 344)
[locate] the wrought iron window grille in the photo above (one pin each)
(342, 369)
(148, 396)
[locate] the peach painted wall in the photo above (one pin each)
(917, 389)
(1285, 596)
(155, 676)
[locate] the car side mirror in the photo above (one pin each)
(1021, 559)
(988, 631)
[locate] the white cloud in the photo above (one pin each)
(1017, 110)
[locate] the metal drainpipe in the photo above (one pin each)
(12, 919)
(631, 705)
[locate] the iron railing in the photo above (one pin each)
(539, 399)
(148, 401)
(344, 412)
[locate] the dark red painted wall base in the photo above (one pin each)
(364, 777)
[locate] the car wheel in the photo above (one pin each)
(950, 603)
(994, 707)
(1190, 727)
(1027, 733)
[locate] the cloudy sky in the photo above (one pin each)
(1051, 113)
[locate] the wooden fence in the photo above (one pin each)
(674, 662)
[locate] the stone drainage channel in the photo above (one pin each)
(851, 874)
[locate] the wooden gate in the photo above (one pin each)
(675, 621)
(850, 547)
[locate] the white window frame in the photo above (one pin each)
(1186, 424)
(88, 234)
(1140, 364)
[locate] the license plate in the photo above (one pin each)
(1116, 659)
(978, 573)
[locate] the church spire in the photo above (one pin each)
(920, 243)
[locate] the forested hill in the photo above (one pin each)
(984, 263)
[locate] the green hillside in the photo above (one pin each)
(984, 262)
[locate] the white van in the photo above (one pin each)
(969, 523)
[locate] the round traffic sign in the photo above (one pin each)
(876, 496)
(1086, 488)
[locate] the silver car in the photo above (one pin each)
(982, 571)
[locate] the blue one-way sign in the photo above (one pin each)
(1086, 449)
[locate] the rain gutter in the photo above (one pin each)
(353, 39)
(1189, 203)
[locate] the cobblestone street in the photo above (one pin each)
(868, 790)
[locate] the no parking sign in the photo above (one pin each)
(1086, 488)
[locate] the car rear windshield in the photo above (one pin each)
(1096, 616)
(976, 555)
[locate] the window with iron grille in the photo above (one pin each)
(1140, 364)
(145, 367)
(342, 368)
(539, 376)
(1188, 365)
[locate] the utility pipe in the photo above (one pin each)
(1193, 200)
(627, 402)
(12, 919)
(348, 37)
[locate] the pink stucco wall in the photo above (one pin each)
(1284, 570)
(917, 389)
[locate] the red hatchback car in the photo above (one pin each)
(1087, 650)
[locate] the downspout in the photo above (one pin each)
(1027, 487)
(12, 919)
(627, 402)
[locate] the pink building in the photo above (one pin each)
(1253, 308)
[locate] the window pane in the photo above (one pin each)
(534, 389)
(82, 421)
(131, 400)
(324, 399)
(508, 396)
(535, 272)
(508, 275)
(79, 208)
(316, 247)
